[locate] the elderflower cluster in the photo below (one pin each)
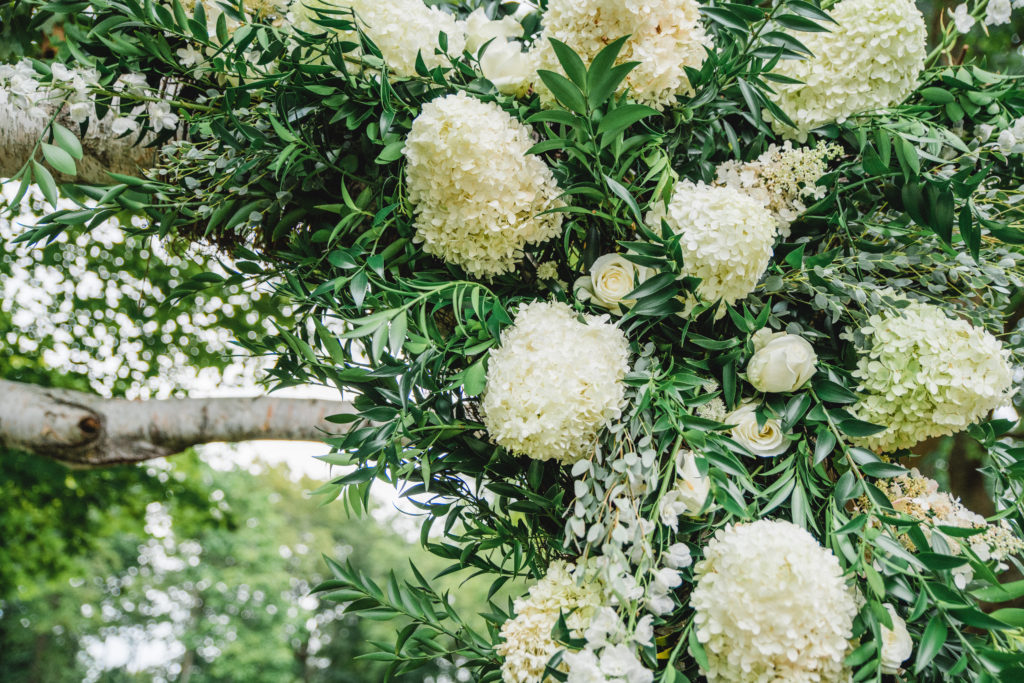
(919, 497)
(727, 237)
(870, 59)
(924, 374)
(554, 382)
(783, 178)
(34, 94)
(476, 192)
(771, 605)
(401, 29)
(527, 644)
(664, 37)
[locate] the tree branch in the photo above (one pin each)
(102, 151)
(84, 430)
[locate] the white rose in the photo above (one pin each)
(480, 29)
(611, 279)
(897, 645)
(765, 442)
(692, 486)
(781, 362)
(506, 66)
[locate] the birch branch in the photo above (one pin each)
(85, 430)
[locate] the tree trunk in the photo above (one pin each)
(102, 151)
(84, 430)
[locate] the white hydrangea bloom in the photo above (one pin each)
(870, 60)
(771, 605)
(925, 374)
(554, 382)
(727, 237)
(401, 29)
(526, 638)
(665, 36)
(784, 178)
(476, 192)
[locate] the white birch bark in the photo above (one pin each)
(103, 151)
(85, 430)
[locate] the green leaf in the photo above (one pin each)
(571, 63)
(474, 381)
(824, 443)
(726, 18)
(833, 393)
(934, 638)
(46, 183)
(1011, 615)
(59, 159)
(795, 22)
(67, 141)
(882, 470)
(623, 194)
(564, 90)
(859, 428)
(624, 117)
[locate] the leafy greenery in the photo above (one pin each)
(292, 163)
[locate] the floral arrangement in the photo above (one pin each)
(646, 307)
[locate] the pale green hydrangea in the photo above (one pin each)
(925, 375)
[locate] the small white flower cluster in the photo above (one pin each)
(401, 29)
(771, 605)
(924, 374)
(871, 59)
(727, 237)
(664, 37)
(527, 644)
(919, 497)
(610, 653)
(1011, 139)
(998, 12)
(476, 192)
(554, 382)
(34, 94)
(783, 178)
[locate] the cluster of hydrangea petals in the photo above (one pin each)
(771, 605)
(401, 29)
(919, 497)
(924, 374)
(870, 59)
(727, 237)
(527, 644)
(476, 192)
(783, 178)
(665, 36)
(554, 382)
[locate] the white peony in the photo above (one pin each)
(924, 374)
(897, 645)
(554, 382)
(871, 59)
(509, 68)
(771, 605)
(765, 441)
(781, 362)
(479, 29)
(476, 193)
(611, 278)
(664, 37)
(727, 237)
